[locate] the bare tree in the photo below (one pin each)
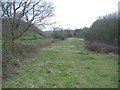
(29, 11)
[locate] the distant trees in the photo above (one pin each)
(104, 29)
(79, 32)
(20, 12)
(62, 33)
(58, 33)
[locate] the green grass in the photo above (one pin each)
(66, 64)
(28, 38)
(30, 35)
(36, 41)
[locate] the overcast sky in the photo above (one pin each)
(80, 13)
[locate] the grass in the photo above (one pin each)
(29, 39)
(36, 41)
(66, 64)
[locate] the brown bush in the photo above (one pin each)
(101, 47)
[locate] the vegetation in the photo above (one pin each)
(104, 29)
(19, 23)
(23, 49)
(102, 36)
(76, 67)
(32, 58)
(19, 13)
(60, 33)
(19, 17)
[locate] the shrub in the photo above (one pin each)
(58, 35)
(98, 46)
(104, 29)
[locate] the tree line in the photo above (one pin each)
(104, 29)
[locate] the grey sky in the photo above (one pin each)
(80, 13)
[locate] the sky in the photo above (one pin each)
(81, 13)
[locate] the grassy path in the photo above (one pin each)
(67, 64)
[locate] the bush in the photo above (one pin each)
(58, 35)
(11, 52)
(98, 46)
(104, 29)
